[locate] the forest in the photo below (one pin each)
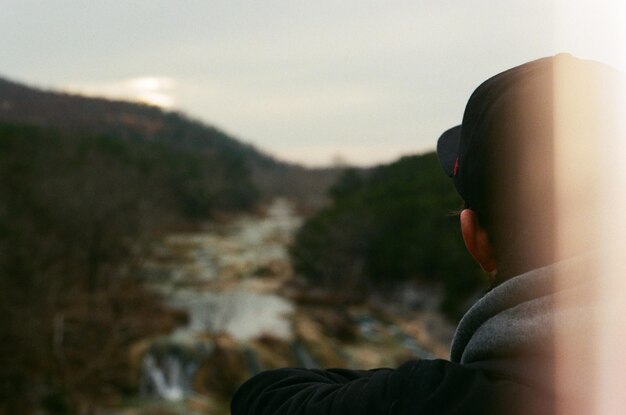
(75, 213)
(394, 223)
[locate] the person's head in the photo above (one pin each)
(506, 159)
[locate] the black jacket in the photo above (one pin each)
(417, 387)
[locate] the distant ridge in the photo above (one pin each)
(71, 112)
(21, 103)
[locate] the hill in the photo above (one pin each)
(144, 123)
(388, 225)
(20, 103)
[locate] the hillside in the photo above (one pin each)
(140, 122)
(20, 103)
(388, 226)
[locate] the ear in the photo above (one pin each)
(477, 241)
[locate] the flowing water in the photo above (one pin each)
(213, 277)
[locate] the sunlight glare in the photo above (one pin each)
(151, 90)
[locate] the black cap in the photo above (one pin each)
(506, 108)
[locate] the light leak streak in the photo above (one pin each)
(593, 353)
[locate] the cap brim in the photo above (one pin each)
(448, 149)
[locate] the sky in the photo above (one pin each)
(360, 82)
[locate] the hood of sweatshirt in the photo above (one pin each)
(516, 331)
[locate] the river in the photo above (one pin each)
(236, 284)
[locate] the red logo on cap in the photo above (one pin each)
(456, 167)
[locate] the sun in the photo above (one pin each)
(152, 90)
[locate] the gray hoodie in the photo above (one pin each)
(514, 331)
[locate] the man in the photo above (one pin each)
(506, 354)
